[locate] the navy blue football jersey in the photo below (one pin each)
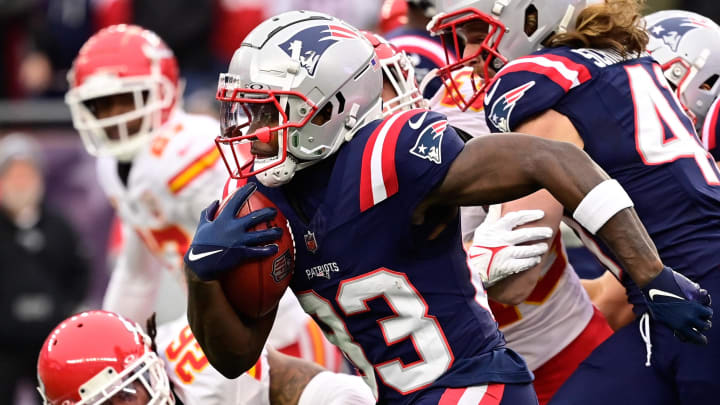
(425, 51)
(632, 125)
(406, 311)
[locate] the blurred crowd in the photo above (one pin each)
(40, 38)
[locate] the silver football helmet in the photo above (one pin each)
(687, 46)
(307, 77)
(515, 28)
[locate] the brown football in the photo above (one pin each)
(255, 287)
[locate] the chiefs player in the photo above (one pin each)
(99, 357)
(158, 167)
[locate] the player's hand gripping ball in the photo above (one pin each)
(247, 245)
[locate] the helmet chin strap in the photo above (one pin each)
(278, 175)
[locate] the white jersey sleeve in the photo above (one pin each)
(134, 282)
(196, 382)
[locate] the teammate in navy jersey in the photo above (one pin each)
(596, 88)
(425, 51)
(373, 208)
(687, 47)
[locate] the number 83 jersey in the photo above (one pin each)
(633, 126)
(403, 308)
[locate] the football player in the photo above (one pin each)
(687, 47)
(158, 168)
(99, 357)
(375, 201)
(552, 324)
(595, 87)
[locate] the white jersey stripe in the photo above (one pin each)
(473, 395)
(563, 70)
(379, 192)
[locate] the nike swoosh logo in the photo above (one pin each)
(653, 292)
(415, 125)
(193, 257)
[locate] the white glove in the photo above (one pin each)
(494, 253)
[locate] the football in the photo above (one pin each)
(255, 287)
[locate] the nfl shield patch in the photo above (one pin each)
(311, 242)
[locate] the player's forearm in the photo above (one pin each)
(623, 233)
(505, 167)
(231, 344)
(627, 238)
(288, 377)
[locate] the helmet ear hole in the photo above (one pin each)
(323, 115)
(709, 83)
(341, 102)
(531, 20)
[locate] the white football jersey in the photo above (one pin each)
(196, 382)
(472, 120)
(170, 181)
(552, 316)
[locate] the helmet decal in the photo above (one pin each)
(671, 30)
(308, 45)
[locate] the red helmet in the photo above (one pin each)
(122, 59)
(399, 71)
(393, 14)
(94, 356)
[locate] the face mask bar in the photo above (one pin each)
(255, 114)
(487, 52)
(401, 75)
(148, 371)
(151, 94)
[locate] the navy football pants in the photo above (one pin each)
(681, 373)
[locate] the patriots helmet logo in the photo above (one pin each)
(428, 144)
(504, 106)
(671, 30)
(308, 46)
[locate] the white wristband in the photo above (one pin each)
(600, 204)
